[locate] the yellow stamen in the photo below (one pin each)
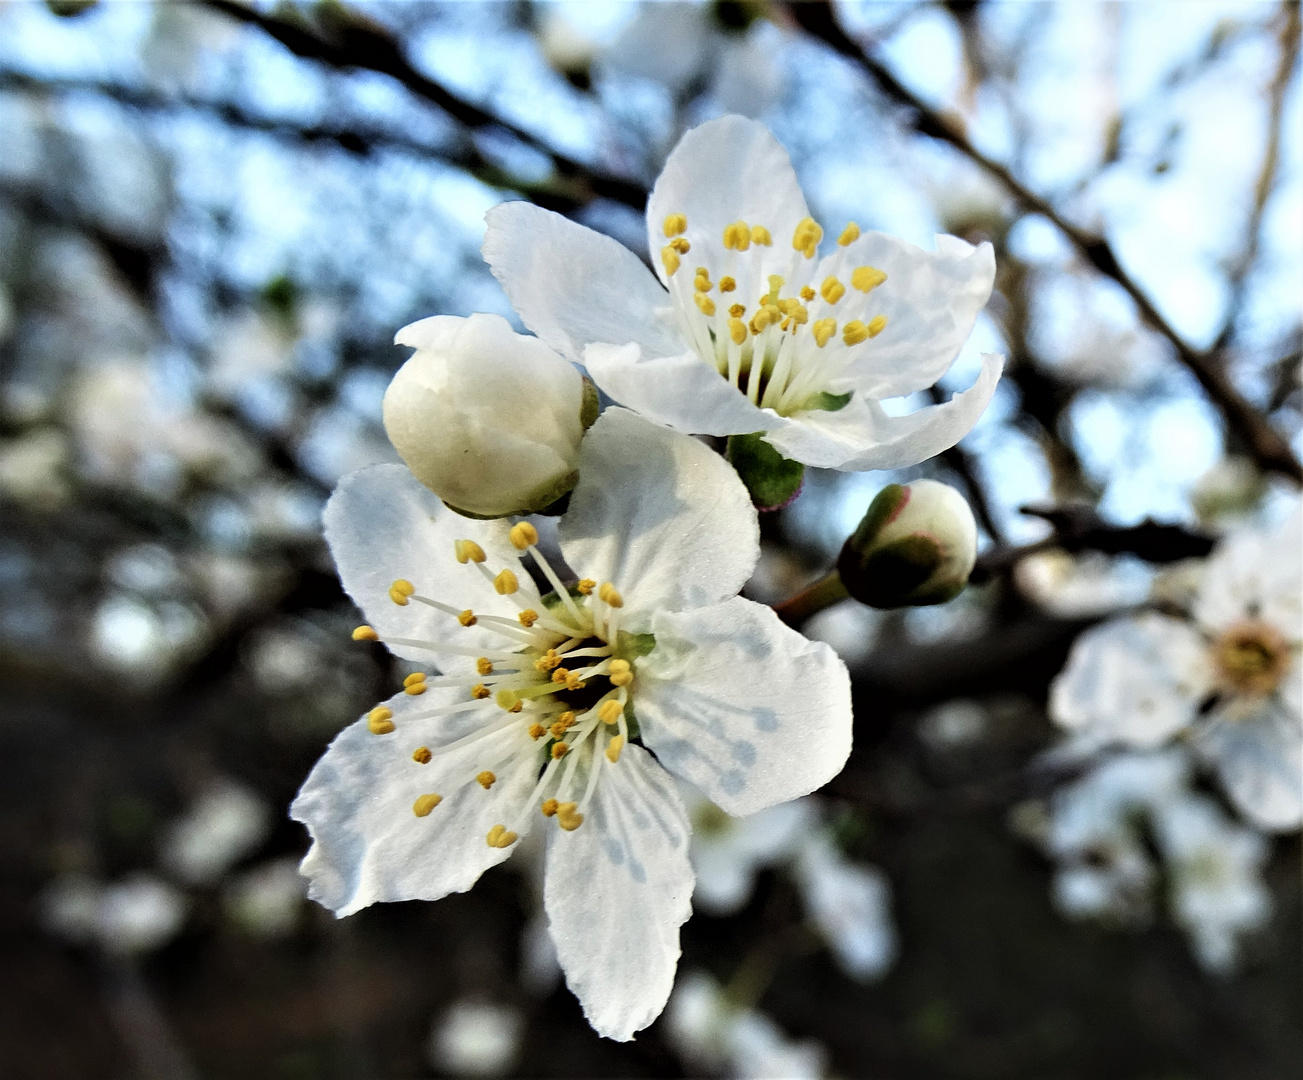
(379, 721)
(737, 237)
(806, 237)
(528, 617)
(877, 324)
(484, 666)
(485, 779)
(867, 278)
(558, 729)
(613, 748)
(704, 304)
(832, 290)
(414, 677)
(727, 284)
(823, 330)
(505, 583)
(499, 837)
(737, 311)
(670, 260)
(568, 816)
(400, 590)
(702, 284)
(523, 535)
(548, 662)
(425, 803)
(737, 331)
(468, 551)
(680, 245)
(574, 682)
(421, 755)
(608, 593)
(610, 712)
(854, 332)
(560, 675)
(807, 293)
(763, 318)
(675, 224)
(621, 673)
(549, 807)
(560, 750)
(760, 235)
(415, 690)
(537, 731)
(585, 586)
(365, 633)
(849, 234)
(467, 618)
(567, 719)
(479, 691)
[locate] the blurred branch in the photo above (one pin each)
(1263, 442)
(347, 40)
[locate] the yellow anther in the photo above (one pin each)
(560, 675)
(867, 278)
(566, 719)
(414, 677)
(484, 666)
(670, 260)
(549, 807)
(528, 617)
(574, 682)
(548, 662)
(523, 535)
(621, 676)
(537, 731)
(806, 237)
(675, 224)
(467, 618)
(400, 590)
(517, 707)
(727, 284)
(499, 837)
(485, 779)
(504, 699)
(849, 234)
(737, 331)
(737, 311)
(586, 586)
(823, 330)
(613, 748)
(704, 304)
(505, 583)
(365, 633)
(560, 750)
(794, 310)
(608, 593)
(415, 690)
(765, 317)
(702, 284)
(737, 237)
(479, 691)
(568, 816)
(854, 332)
(421, 755)
(680, 245)
(807, 293)
(425, 803)
(558, 729)
(620, 664)
(760, 235)
(832, 290)
(877, 324)
(468, 551)
(380, 720)
(610, 712)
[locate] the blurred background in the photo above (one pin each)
(213, 217)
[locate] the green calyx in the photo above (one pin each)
(896, 574)
(773, 480)
(826, 402)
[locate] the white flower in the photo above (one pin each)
(1229, 676)
(476, 1039)
(226, 823)
(746, 330)
(544, 698)
(487, 419)
(267, 900)
(851, 906)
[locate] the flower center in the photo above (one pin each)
(565, 672)
(774, 335)
(1251, 658)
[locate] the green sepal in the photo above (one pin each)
(591, 405)
(886, 504)
(773, 480)
(892, 575)
(826, 402)
(635, 645)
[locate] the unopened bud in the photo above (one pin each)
(487, 419)
(916, 546)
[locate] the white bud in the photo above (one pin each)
(916, 546)
(487, 419)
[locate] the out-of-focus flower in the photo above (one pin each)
(1228, 493)
(487, 419)
(1072, 586)
(268, 899)
(544, 694)
(850, 903)
(915, 546)
(764, 338)
(138, 914)
(226, 823)
(1230, 675)
(32, 468)
(476, 1038)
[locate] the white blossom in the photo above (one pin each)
(742, 329)
(547, 701)
(850, 903)
(476, 1038)
(226, 823)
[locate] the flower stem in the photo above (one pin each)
(825, 592)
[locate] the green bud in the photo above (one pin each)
(915, 546)
(772, 479)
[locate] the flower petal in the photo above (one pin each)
(616, 891)
(682, 392)
(1259, 760)
(741, 705)
(723, 171)
(862, 436)
(369, 845)
(660, 516)
(571, 285)
(931, 300)
(382, 524)
(1136, 680)
(1255, 574)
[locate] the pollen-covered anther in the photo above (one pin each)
(832, 290)
(484, 666)
(877, 324)
(806, 237)
(823, 330)
(765, 317)
(422, 756)
(467, 618)
(760, 236)
(380, 720)
(670, 260)
(528, 617)
(849, 234)
(560, 675)
(613, 748)
(537, 731)
(500, 837)
(702, 281)
(505, 583)
(680, 245)
(704, 304)
(365, 633)
(560, 750)
(400, 590)
(479, 692)
(523, 535)
(737, 311)
(414, 677)
(425, 803)
(609, 595)
(574, 682)
(566, 720)
(621, 673)
(854, 332)
(737, 330)
(807, 293)
(414, 684)
(549, 807)
(485, 779)
(548, 661)
(675, 224)
(727, 284)
(867, 278)
(468, 551)
(610, 712)
(568, 816)
(737, 237)
(585, 586)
